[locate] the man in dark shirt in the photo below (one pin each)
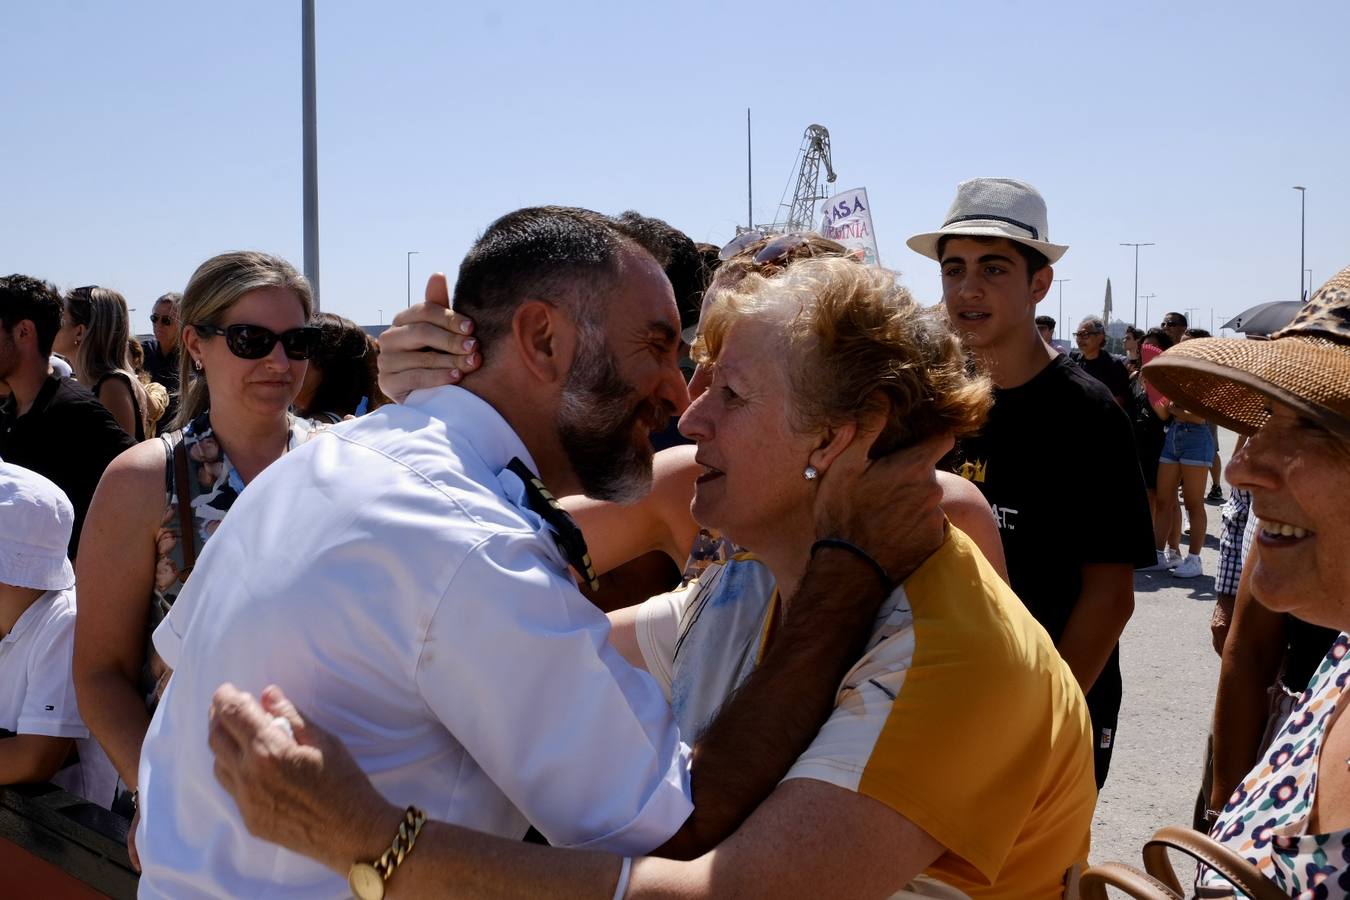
(1091, 355)
(49, 424)
(161, 351)
(1050, 421)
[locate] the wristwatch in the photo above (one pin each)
(366, 879)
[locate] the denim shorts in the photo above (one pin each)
(1188, 444)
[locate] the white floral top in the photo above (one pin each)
(1266, 819)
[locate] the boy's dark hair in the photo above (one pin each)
(1045, 322)
(564, 255)
(1158, 338)
(24, 297)
(1035, 259)
(1196, 333)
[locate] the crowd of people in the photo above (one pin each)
(671, 560)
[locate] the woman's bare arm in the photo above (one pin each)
(114, 576)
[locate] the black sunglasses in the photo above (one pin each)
(1173, 323)
(161, 320)
(255, 341)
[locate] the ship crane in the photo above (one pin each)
(799, 214)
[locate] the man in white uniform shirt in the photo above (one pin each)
(406, 580)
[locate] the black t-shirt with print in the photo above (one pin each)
(1057, 463)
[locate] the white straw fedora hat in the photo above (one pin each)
(994, 207)
(1305, 366)
(35, 523)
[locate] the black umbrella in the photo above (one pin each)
(1265, 318)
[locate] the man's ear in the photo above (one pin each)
(1041, 282)
(545, 339)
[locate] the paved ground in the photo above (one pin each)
(1170, 671)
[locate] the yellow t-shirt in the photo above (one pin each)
(962, 717)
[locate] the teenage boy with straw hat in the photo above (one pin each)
(1051, 423)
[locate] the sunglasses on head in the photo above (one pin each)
(161, 320)
(255, 341)
(777, 250)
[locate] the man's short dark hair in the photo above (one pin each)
(564, 255)
(24, 297)
(1045, 322)
(1176, 315)
(1035, 259)
(1196, 333)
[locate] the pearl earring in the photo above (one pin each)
(810, 473)
(198, 364)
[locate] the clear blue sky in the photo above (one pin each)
(144, 137)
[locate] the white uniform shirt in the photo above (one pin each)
(391, 578)
(37, 692)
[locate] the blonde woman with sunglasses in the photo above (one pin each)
(245, 348)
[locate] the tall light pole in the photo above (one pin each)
(1147, 298)
(1135, 320)
(1060, 282)
(411, 253)
(310, 149)
(1302, 234)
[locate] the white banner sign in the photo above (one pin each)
(847, 218)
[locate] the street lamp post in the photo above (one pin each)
(1060, 282)
(1135, 321)
(1147, 298)
(1302, 235)
(1308, 272)
(411, 253)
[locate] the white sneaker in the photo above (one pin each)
(1190, 567)
(1171, 558)
(1159, 566)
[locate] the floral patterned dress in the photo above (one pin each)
(1266, 819)
(213, 484)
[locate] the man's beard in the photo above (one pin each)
(596, 422)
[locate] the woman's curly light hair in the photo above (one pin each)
(851, 335)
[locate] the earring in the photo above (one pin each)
(197, 363)
(810, 473)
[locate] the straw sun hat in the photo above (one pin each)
(1305, 366)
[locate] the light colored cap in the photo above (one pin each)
(35, 524)
(994, 207)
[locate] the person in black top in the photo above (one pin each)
(1091, 355)
(161, 351)
(49, 424)
(1051, 422)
